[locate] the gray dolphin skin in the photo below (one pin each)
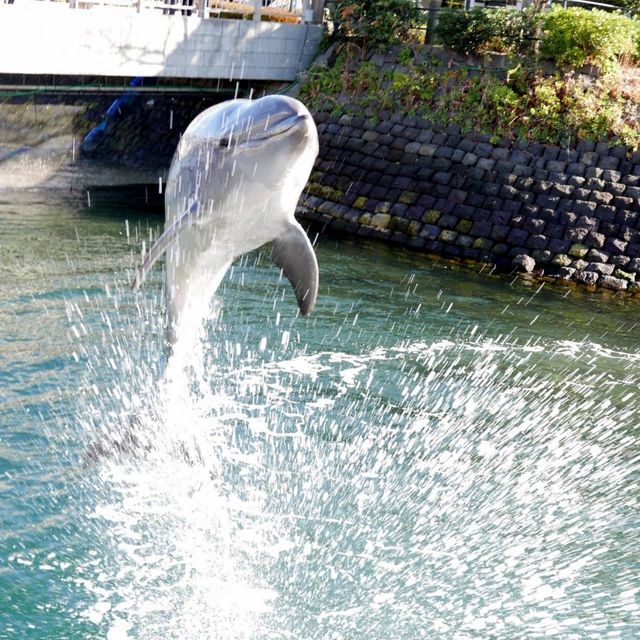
(233, 186)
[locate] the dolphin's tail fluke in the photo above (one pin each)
(293, 253)
(188, 217)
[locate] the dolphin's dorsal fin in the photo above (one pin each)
(191, 214)
(293, 253)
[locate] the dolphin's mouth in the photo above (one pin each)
(273, 129)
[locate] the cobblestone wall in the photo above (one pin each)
(573, 214)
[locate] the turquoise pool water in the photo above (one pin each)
(435, 453)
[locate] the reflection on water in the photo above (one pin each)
(433, 454)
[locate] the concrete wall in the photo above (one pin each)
(50, 38)
(571, 214)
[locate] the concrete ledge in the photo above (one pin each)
(50, 38)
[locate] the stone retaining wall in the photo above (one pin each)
(572, 214)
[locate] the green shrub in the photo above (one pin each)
(480, 30)
(514, 31)
(374, 23)
(574, 37)
(465, 32)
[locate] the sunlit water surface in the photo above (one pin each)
(433, 454)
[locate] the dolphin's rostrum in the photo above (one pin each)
(233, 186)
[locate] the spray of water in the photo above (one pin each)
(352, 479)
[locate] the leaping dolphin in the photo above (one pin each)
(233, 186)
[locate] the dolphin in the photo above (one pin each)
(233, 186)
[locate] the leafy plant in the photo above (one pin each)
(374, 23)
(465, 32)
(574, 37)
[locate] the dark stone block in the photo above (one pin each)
(452, 250)
(466, 145)
(520, 157)
(499, 231)
(444, 205)
(584, 207)
(553, 230)
(585, 145)
(595, 239)
(610, 282)
(609, 228)
(475, 199)
(518, 237)
(575, 235)
(601, 268)
(546, 201)
(597, 256)
(481, 229)
(441, 164)
(633, 250)
(507, 192)
(549, 215)
(537, 241)
(379, 193)
(491, 188)
(614, 246)
(482, 214)
(500, 153)
(403, 182)
(558, 246)
(503, 167)
(605, 212)
(493, 203)
(587, 222)
(465, 211)
(608, 162)
(520, 170)
(611, 176)
(439, 139)
(629, 234)
(483, 150)
(426, 201)
(399, 209)
(414, 212)
(534, 225)
(632, 192)
(586, 277)
(486, 164)
(561, 190)
(500, 217)
(433, 246)
(542, 186)
(551, 153)
(430, 231)
(628, 218)
(600, 197)
(511, 206)
(556, 166)
(475, 173)
(621, 202)
(442, 177)
(621, 261)
(448, 221)
(444, 152)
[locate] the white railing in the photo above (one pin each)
(283, 10)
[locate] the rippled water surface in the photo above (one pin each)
(433, 454)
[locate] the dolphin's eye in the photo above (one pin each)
(224, 143)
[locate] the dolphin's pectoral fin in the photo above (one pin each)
(162, 243)
(293, 253)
